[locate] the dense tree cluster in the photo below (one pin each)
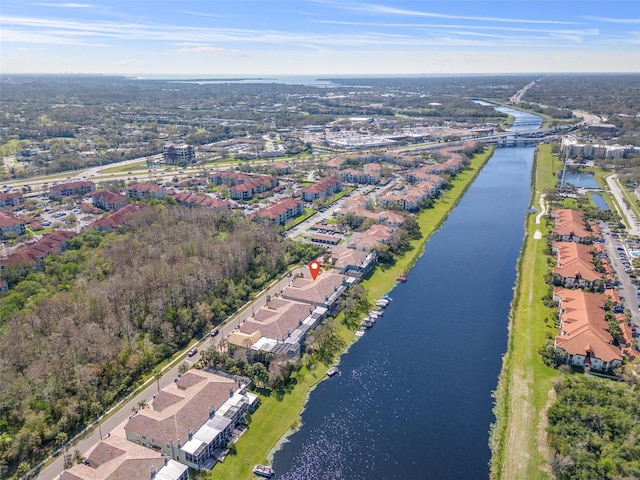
(79, 335)
(594, 430)
(611, 96)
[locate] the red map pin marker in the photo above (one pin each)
(314, 268)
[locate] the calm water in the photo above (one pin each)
(579, 179)
(599, 201)
(413, 400)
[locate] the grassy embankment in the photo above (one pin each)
(517, 438)
(279, 415)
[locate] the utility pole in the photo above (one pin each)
(99, 426)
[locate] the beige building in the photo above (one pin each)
(115, 458)
(191, 418)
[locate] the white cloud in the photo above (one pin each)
(385, 10)
(200, 14)
(209, 50)
(64, 5)
(633, 21)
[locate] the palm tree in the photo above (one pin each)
(157, 374)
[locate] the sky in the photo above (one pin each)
(316, 37)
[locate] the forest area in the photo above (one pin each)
(77, 337)
(593, 427)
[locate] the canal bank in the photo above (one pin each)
(277, 418)
(414, 394)
(518, 437)
(429, 221)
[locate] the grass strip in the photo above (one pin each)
(125, 168)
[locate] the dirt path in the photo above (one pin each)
(543, 211)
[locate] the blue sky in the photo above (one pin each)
(236, 37)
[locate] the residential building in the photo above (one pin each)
(109, 200)
(144, 191)
(201, 200)
(350, 261)
(423, 173)
(117, 218)
(115, 458)
(71, 188)
(570, 226)
(11, 199)
(321, 190)
(191, 418)
(358, 201)
(574, 265)
(570, 147)
(10, 224)
(370, 174)
(584, 331)
(279, 213)
(397, 201)
(279, 327)
(374, 236)
(324, 291)
(33, 254)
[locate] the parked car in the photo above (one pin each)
(193, 351)
(215, 332)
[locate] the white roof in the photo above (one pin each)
(171, 471)
(206, 434)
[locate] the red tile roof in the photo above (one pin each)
(584, 327)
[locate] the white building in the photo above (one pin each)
(179, 154)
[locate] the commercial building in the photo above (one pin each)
(179, 154)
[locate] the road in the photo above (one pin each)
(122, 412)
(519, 94)
(629, 216)
(627, 289)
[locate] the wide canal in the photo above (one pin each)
(413, 398)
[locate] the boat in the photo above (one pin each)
(359, 333)
(367, 324)
(373, 316)
(332, 371)
(401, 278)
(382, 303)
(378, 312)
(263, 470)
(387, 298)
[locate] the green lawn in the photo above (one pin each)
(139, 166)
(308, 213)
(547, 168)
